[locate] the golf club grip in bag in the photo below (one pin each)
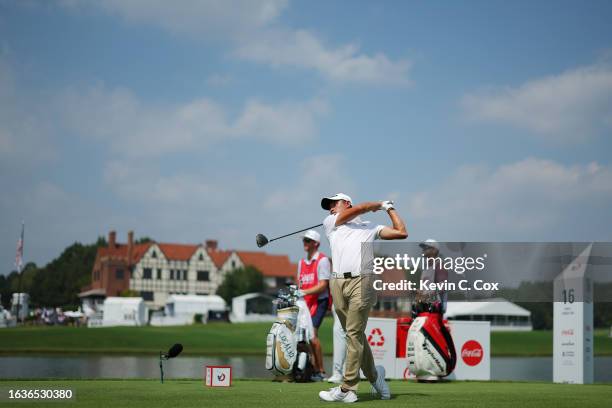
(430, 349)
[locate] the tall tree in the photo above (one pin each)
(240, 281)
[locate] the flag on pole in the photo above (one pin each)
(19, 255)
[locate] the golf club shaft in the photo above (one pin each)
(296, 232)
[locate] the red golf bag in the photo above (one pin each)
(430, 349)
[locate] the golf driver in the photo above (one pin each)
(262, 240)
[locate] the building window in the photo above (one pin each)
(185, 274)
(147, 295)
(159, 274)
(119, 274)
(204, 276)
(201, 257)
(233, 264)
(147, 273)
(171, 274)
(153, 254)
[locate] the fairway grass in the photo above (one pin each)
(245, 393)
(219, 339)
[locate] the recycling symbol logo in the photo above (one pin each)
(221, 377)
(376, 338)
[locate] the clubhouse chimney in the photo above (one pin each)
(211, 244)
(112, 236)
(130, 247)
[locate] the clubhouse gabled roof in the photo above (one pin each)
(269, 264)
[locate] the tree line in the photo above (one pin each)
(58, 283)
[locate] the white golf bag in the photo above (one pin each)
(287, 352)
(430, 349)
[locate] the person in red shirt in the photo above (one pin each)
(314, 272)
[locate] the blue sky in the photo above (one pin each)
(216, 119)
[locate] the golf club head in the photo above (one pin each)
(261, 240)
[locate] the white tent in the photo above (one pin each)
(6, 320)
(181, 309)
(502, 314)
(124, 311)
(21, 302)
(249, 308)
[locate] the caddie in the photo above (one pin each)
(434, 273)
(313, 280)
(351, 286)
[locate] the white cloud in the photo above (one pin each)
(22, 124)
(54, 218)
(320, 176)
(528, 200)
(571, 106)
(181, 194)
(136, 128)
(200, 18)
(219, 80)
(301, 48)
(188, 206)
(283, 123)
(253, 30)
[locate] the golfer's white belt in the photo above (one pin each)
(345, 275)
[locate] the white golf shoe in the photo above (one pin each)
(336, 395)
(335, 379)
(380, 387)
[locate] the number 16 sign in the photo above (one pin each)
(573, 322)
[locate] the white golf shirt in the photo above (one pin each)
(345, 242)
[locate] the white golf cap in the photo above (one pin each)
(432, 243)
(326, 201)
(314, 235)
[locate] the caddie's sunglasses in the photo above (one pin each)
(307, 240)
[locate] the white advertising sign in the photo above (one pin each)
(472, 342)
(473, 345)
(573, 323)
(218, 376)
(381, 336)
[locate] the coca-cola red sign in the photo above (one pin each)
(471, 352)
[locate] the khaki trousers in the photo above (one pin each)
(353, 299)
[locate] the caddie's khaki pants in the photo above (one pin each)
(353, 299)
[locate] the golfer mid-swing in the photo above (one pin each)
(351, 287)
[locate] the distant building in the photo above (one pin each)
(503, 314)
(158, 270)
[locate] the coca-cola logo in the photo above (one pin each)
(471, 352)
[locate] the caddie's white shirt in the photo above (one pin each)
(345, 242)
(323, 271)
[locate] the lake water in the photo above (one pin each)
(502, 368)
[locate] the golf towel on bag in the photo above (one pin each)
(281, 344)
(430, 349)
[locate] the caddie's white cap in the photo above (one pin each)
(432, 243)
(314, 235)
(326, 201)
